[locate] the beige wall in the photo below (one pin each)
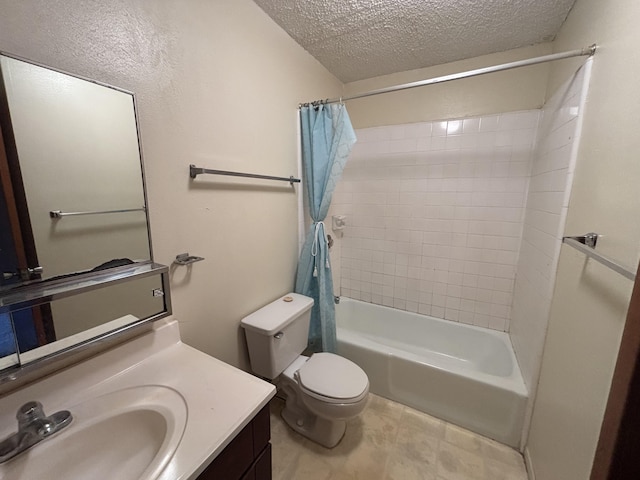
(519, 89)
(217, 84)
(589, 303)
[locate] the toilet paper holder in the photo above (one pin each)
(186, 259)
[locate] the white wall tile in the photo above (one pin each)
(489, 123)
(439, 129)
(436, 212)
(549, 190)
(471, 125)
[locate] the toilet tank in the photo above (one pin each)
(277, 334)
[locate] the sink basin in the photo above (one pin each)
(126, 434)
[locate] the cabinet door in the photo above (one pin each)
(247, 457)
(261, 426)
(262, 466)
(234, 460)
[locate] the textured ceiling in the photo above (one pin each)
(357, 39)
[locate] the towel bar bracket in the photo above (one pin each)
(589, 239)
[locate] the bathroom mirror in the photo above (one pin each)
(72, 178)
(73, 215)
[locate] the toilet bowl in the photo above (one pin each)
(322, 391)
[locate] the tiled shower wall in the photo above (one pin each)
(546, 210)
(434, 216)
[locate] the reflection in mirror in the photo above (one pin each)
(8, 349)
(70, 146)
(55, 326)
(8, 263)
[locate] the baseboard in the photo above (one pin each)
(529, 464)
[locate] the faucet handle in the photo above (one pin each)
(33, 427)
(29, 412)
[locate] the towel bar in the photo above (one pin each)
(60, 214)
(195, 171)
(586, 244)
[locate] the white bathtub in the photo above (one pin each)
(462, 374)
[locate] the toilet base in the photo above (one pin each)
(327, 433)
(323, 431)
(321, 421)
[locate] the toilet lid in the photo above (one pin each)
(332, 376)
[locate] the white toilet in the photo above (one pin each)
(322, 391)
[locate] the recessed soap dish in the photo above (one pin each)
(186, 259)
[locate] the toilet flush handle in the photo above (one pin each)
(279, 335)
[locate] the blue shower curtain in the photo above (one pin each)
(327, 139)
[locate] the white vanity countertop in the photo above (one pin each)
(221, 399)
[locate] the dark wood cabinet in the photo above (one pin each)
(248, 456)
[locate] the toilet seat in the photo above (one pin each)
(332, 379)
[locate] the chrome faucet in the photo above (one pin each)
(33, 427)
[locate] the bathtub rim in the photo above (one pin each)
(513, 382)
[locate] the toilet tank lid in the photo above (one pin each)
(273, 317)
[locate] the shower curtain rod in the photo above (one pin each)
(588, 51)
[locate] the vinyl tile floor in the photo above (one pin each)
(389, 441)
